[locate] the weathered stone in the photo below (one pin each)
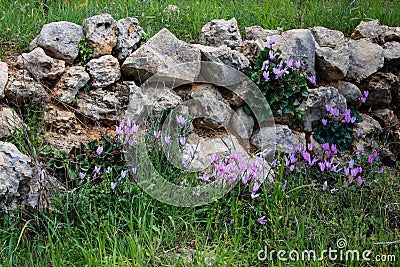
(385, 117)
(391, 51)
(129, 34)
(367, 127)
(332, 64)
(351, 92)
(9, 122)
(380, 86)
(3, 77)
(275, 138)
(100, 33)
(391, 34)
(242, 123)
(200, 90)
(42, 67)
(369, 29)
(59, 40)
(162, 52)
(316, 103)
(298, 44)
(16, 170)
(25, 90)
(251, 49)
(221, 32)
(103, 71)
(258, 33)
(365, 59)
(73, 79)
(224, 55)
(327, 38)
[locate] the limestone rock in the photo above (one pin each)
(385, 117)
(332, 64)
(391, 51)
(391, 34)
(129, 34)
(59, 40)
(327, 38)
(103, 71)
(42, 67)
(24, 90)
(200, 90)
(242, 123)
(367, 127)
(9, 122)
(224, 55)
(251, 49)
(100, 32)
(73, 79)
(258, 33)
(162, 52)
(365, 59)
(3, 77)
(351, 92)
(221, 32)
(316, 103)
(16, 170)
(380, 86)
(369, 29)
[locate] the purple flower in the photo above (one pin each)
(113, 185)
(324, 121)
(265, 65)
(363, 99)
(205, 178)
(213, 158)
(232, 222)
(254, 195)
(266, 76)
(306, 156)
(345, 184)
(284, 186)
(182, 140)
(274, 162)
(99, 150)
(167, 139)
(96, 170)
(261, 220)
(325, 186)
(135, 128)
(108, 170)
(334, 190)
(256, 186)
(245, 179)
(297, 64)
(334, 149)
(346, 171)
(325, 146)
(289, 63)
(358, 153)
(375, 154)
(309, 146)
(271, 55)
(360, 181)
(370, 159)
(313, 161)
(381, 170)
(291, 168)
(118, 130)
(131, 141)
(82, 175)
(123, 175)
(351, 164)
(322, 166)
(134, 170)
(313, 79)
(181, 120)
(366, 93)
(157, 134)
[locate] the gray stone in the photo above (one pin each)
(332, 64)
(316, 103)
(129, 34)
(221, 32)
(100, 33)
(242, 123)
(391, 34)
(369, 29)
(367, 127)
(161, 53)
(25, 90)
(380, 86)
(351, 92)
(224, 55)
(251, 49)
(16, 171)
(365, 59)
(59, 40)
(298, 44)
(103, 71)
(327, 38)
(275, 138)
(73, 79)
(3, 77)
(391, 51)
(42, 67)
(200, 90)
(258, 33)
(385, 117)
(9, 122)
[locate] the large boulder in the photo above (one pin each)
(391, 51)
(367, 127)
(221, 32)
(129, 34)
(73, 79)
(24, 90)
(385, 117)
(258, 33)
(316, 103)
(365, 59)
(380, 86)
(103, 71)
(162, 52)
(59, 40)
(3, 77)
(42, 67)
(332, 64)
(100, 33)
(16, 171)
(351, 92)
(327, 38)
(369, 29)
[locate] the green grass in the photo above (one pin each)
(21, 21)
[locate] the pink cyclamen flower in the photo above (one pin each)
(266, 76)
(134, 170)
(265, 65)
(322, 166)
(118, 130)
(334, 149)
(351, 163)
(213, 158)
(123, 175)
(99, 150)
(254, 195)
(271, 55)
(360, 181)
(261, 220)
(306, 156)
(289, 63)
(324, 122)
(96, 170)
(167, 139)
(157, 134)
(181, 120)
(82, 175)
(135, 128)
(182, 140)
(370, 159)
(232, 222)
(309, 146)
(205, 178)
(325, 146)
(113, 185)
(325, 186)
(313, 79)
(284, 186)
(366, 93)
(297, 64)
